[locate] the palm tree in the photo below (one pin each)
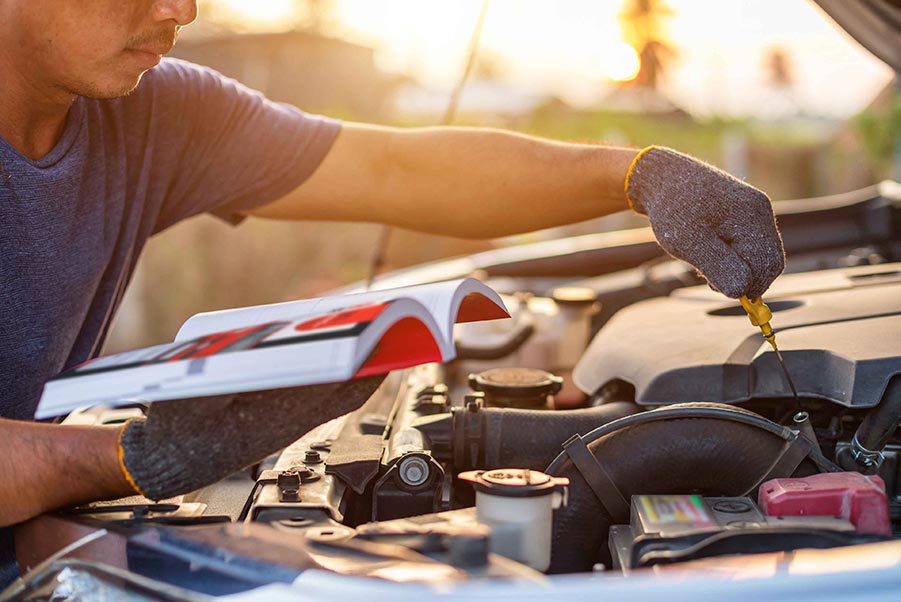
(643, 23)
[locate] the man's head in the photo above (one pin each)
(94, 48)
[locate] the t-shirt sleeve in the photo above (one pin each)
(231, 148)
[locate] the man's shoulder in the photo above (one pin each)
(176, 74)
(174, 86)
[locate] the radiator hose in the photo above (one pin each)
(486, 438)
(699, 448)
(865, 453)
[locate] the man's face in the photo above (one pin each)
(93, 48)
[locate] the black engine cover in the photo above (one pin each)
(838, 330)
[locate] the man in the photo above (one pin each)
(94, 159)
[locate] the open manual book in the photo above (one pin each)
(313, 341)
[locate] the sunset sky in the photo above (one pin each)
(573, 48)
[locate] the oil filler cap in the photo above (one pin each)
(514, 482)
(526, 388)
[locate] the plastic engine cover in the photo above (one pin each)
(838, 330)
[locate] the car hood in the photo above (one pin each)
(875, 24)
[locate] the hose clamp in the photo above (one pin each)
(865, 457)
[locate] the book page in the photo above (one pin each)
(284, 345)
(404, 335)
(439, 299)
(266, 356)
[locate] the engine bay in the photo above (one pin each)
(618, 423)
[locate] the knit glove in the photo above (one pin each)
(187, 444)
(717, 223)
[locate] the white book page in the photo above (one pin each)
(294, 354)
(275, 346)
(109, 381)
(441, 299)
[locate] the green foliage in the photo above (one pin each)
(702, 139)
(880, 133)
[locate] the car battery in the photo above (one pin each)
(674, 528)
(850, 495)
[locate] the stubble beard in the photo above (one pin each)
(156, 38)
(98, 92)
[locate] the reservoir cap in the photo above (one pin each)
(514, 482)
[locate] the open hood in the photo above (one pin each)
(875, 24)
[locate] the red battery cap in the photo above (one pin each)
(849, 495)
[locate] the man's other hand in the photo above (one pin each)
(717, 223)
(184, 445)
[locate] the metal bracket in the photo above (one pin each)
(601, 484)
(867, 458)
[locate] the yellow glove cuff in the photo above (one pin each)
(632, 204)
(121, 453)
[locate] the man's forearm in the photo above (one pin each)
(486, 183)
(468, 182)
(43, 467)
(482, 183)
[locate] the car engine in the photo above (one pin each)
(627, 417)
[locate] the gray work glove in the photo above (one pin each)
(187, 444)
(702, 215)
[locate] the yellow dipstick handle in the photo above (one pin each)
(760, 315)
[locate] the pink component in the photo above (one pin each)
(849, 495)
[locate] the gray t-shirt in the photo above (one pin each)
(73, 223)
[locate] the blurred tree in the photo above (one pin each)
(879, 128)
(643, 24)
(780, 72)
(779, 98)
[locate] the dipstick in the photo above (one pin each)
(760, 316)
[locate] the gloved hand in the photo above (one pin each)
(184, 445)
(702, 215)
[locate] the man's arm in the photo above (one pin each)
(49, 466)
(178, 448)
(466, 182)
(481, 183)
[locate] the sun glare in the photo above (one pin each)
(619, 62)
(574, 48)
(254, 12)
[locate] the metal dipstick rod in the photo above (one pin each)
(760, 316)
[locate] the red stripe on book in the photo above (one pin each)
(476, 307)
(407, 343)
(351, 315)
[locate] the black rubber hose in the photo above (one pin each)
(514, 341)
(877, 428)
(509, 438)
(706, 449)
(882, 422)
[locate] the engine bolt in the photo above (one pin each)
(288, 480)
(311, 456)
(288, 483)
(413, 471)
